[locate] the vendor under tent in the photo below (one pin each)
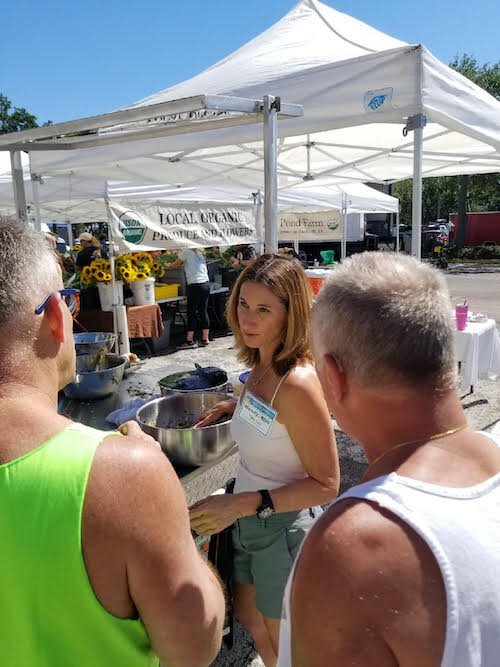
(375, 109)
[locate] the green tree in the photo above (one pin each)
(447, 194)
(14, 119)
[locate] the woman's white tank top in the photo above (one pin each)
(266, 462)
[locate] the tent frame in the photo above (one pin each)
(84, 133)
(162, 119)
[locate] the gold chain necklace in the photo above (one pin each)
(436, 436)
(254, 383)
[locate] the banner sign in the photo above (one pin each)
(321, 225)
(141, 226)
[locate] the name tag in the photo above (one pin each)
(257, 413)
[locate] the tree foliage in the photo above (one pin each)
(440, 196)
(14, 119)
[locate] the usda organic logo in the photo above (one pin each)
(132, 227)
(332, 224)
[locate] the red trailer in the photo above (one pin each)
(481, 227)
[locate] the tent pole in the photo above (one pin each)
(343, 244)
(397, 231)
(257, 200)
(271, 108)
(416, 124)
(18, 186)
(120, 324)
(35, 180)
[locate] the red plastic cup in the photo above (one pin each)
(461, 316)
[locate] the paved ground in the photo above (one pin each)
(479, 283)
(482, 409)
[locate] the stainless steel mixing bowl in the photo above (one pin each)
(89, 383)
(166, 383)
(187, 446)
(90, 342)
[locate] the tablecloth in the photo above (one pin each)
(143, 321)
(478, 351)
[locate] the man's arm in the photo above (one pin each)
(368, 592)
(178, 597)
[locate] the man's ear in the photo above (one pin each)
(335, 377)
(54, 315)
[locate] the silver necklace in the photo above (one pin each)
(254, 383)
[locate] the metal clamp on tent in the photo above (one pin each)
(414, 122)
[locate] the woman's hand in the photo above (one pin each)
(213, 514)
(214, 413)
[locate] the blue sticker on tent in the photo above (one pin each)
(377, 99)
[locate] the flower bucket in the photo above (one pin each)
(107, 297)
(143, 291)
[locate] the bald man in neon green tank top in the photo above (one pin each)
(97, 564)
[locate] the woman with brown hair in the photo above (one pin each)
(288, 457)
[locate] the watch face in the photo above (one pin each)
(266, 513)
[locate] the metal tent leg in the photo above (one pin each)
(271, 108)
(18, 186)
(416, 124)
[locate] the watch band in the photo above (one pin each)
(266, 508)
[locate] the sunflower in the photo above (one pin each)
(128, 275)
(144, 258)
(108, 277)
(100, 275)
(140, 275)
(86, 272)
(84, 279)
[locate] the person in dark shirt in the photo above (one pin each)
(91, 249)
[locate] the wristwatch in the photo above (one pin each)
(266, 509)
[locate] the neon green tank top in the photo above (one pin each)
(50, 616)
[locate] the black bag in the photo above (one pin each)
(220, 554)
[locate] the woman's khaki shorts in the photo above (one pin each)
(264, 552)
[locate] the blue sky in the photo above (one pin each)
(64, 60)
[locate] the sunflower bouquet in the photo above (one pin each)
(128, 268)
(138, 266)
(99, 271)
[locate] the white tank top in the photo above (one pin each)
(266, 462)
(463, 532)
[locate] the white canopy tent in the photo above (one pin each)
(65, 198)
(362, 93)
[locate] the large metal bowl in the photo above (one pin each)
(187, 446)
(89, 383)
(166, 383)
(91, 342)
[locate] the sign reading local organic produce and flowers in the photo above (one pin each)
(312, 226)
(149, 226)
